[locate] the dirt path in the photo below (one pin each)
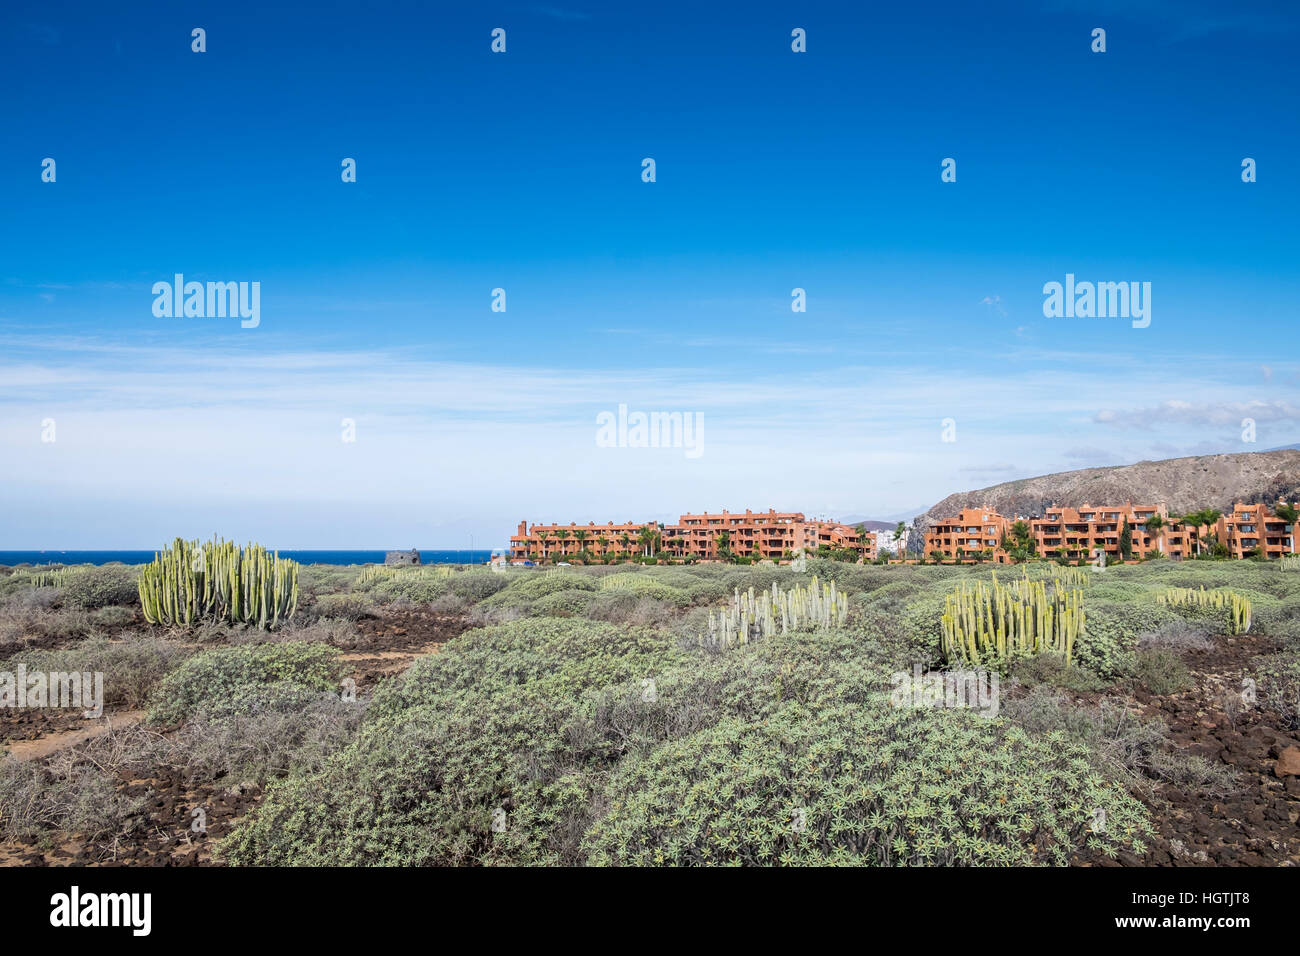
(43, 746)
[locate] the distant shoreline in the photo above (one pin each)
(302, 556)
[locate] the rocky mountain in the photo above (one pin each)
(1184, 484)
(868, 525)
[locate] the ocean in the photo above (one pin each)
(431, 556)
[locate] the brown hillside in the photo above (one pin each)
(1184, 484)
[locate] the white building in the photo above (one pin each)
(885, 541)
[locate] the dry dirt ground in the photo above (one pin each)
(1256, 826)
(164, 838)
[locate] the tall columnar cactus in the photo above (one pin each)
(752, 616)
(992, 624)
(191, 583)
(1061, 576)
(1237, 605)
(51, 577)
(374, 573)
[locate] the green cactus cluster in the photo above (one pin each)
(1237, 606)
(217, 581)
(753, 616)
(994, 623)
(637, 583)
(1063, 576)
(51, 577)
(375, 573)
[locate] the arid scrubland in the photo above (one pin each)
(594, 715)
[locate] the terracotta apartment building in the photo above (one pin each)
(770, 535)
(967, 533)
(555, 541)
(1080, 532)
(1249, 527)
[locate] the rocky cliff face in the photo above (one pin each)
(1184, 484)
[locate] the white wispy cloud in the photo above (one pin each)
(243, 436)
(1213, 414)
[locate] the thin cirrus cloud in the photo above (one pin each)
(159, 429)
(1207, 414)
(398, 382)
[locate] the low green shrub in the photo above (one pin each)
(1162, 672)
(475, 586)
(528, 743)
(113, 616)
(207, 677)
(326, 630)
(923, 627)
(413, 588)
(92, 587)
(624, 607)
(479, 727)
(1052, 669)
(528, 588)
(1111, 633)
(1178, 635)
(28, 624)
(348, 606)
(1121, 744)
(261, 732)
(855, 785)
(644, 585)
(1278, 680)
(570, 603)
(132, 668)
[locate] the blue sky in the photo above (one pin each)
(522, 171)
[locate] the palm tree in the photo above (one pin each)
(543, 535)
(1290, 515)
(1205, 518)
(603, 544)
(899, 530)
(1155, 525)
(1023, 537)
(625, 541)
(1198, 520)
(581, 535)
